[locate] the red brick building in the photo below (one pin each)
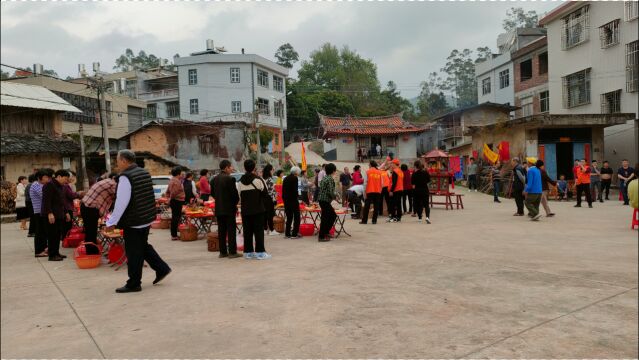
(531, 78)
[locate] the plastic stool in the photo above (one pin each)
(635, 221)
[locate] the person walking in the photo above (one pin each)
(253, 196)
(291, 204)
(134, 212)
(472, 175)
(53, 210)
(583, 183)
(420, 181)
(267, 176)
(595, 182)
(545, 181)
(304, 187)
(396, 191)
(407, 194)
(606, 178)
(205, 187)
(175, 193)
(345, 182)
(95, 204)
(224, 191)
(326, 195)
(519, 181)
(495, 179)
(22, 212)
(43, 177)
(533, 191)
(373, 192)
(33, 222)
(625, 174)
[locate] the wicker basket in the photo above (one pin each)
(278, 223)
(188, 233)
(164, 224)
(213, 242)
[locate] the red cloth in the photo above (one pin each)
(357, 178)
(454, 162)
(278, 189)
(504, 151)
(205, 187)
(475, 154)
(407, 175)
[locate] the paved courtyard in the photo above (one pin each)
(477, 283)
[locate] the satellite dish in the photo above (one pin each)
(220, 49)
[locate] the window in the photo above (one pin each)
(192, 76)
(151, 112)
(278, 108)
(235, 75)
(173, 109)
(543, 63)
(278, 84)
(485, 86)
(525, 70)
(263, 106)
(544, 101)
(262, 78)
(527, 106)
(576, 89)
(194, 106)
(236, 106)
(632, 66)
(575, 28)
(631, 10)
(609, 34)
(131, 89)
(611, 102)
(504, 79)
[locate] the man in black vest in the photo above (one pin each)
(134, 212)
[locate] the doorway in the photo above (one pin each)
(375, 140)
(564, 160)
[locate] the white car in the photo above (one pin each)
(160, 184)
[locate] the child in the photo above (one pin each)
(562, 188)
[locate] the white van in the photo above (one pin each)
(160, 184)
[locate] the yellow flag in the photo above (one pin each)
(303, 157)
(490, 155)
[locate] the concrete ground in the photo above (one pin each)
(477, 283)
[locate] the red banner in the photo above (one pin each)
(504, 151)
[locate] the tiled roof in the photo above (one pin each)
(379, 125)
(32, 144)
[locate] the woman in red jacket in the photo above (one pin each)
(408, 190)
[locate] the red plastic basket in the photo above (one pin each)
(85, 261)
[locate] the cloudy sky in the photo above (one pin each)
(407, 40)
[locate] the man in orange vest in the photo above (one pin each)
(583, 182)
(372, 192)
(384, 196)
(395, 192)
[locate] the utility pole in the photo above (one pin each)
(281, 132)
(85, 177)
(257, 129)
(103, 119)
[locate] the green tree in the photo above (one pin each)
(286, 55)
(5, 75)
(460, 75)
(518, 18)
(142, 61)
(392, 102)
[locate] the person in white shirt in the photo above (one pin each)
(355, 197)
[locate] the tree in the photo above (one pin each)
(460, 75)
(432, 101)
(517, 18)
(286, 56)
(5, 75)
(128, 61)
(393, 103)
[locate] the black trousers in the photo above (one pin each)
(304, 197)
(407, 194)
(327, 219)
(374, 199)
(253, 226)
(53, 232)
(605, 188)
(472, 182)
(421, 202)
(384, 197)
(176, 215)
(519, 200)
(355, 202)
(32, 219)
(226, 230)
(584, 189)
(90, 218)
(268, 217)
(396, 205)
(292, 216)
(205, 197)
(66, 225)
(138, 250)
(40, 238)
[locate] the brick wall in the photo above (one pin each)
(537, 79)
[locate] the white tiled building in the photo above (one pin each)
(593, 61)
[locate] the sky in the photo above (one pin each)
(407, 40)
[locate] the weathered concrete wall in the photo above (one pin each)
(516, 138)
(17, 165)
(346, 151)
(407, 148)
(155, 168)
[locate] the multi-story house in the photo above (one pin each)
(531, 78)
(593, 56)
(214, 86)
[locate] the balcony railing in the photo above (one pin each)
(452, 132)
(158, 94)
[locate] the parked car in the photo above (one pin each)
(160, 184)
